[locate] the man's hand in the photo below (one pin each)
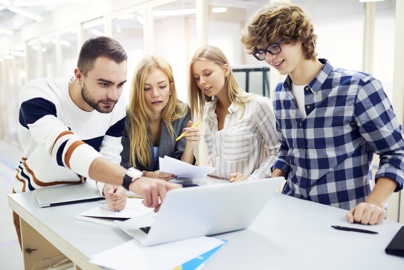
(115, 196)
(372, 211)
(366, 213)
(152, 190)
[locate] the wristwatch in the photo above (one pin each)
(130, 176)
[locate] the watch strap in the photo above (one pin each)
(130, 176)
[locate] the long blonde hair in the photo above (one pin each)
(138, 115)
(197, 98)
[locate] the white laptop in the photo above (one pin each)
(204, 210)
(67, 194)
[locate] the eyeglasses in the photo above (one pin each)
(273, 49)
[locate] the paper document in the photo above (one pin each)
(183, 169)
(101, 213)
(185, 254)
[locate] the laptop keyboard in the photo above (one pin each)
(145, 229)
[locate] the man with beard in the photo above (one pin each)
(70, 130)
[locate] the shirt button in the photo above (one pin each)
(300, 124)
(307, 89)
(308, 107)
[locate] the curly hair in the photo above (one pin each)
(280, 21)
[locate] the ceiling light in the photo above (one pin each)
(25, 13)
(97, 32)
(45, 40)
(6, 31)
(219, 10)
(45, 2)
(140, 19)
(127, 17)
(174, 12)
(61, 42)
(19, 54)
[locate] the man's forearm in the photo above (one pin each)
(105, 171)
(278, 172)
(382, 191)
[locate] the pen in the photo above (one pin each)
(185, 132)
(341, 228)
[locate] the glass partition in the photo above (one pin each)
(69, 53)
(175, 39)
(127, 28)
(383, 67)
(93, 28)
(225, 21)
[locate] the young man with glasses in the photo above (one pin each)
(330, 121)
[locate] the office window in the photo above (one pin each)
(225, 21)
(253, 79)
(69, 53)
(175, 39)
(49, 54)
(339, 25)
(93, 28)
(127, 28)
(383, 67)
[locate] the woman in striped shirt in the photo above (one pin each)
(240, 129)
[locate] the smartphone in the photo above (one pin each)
(396, 246)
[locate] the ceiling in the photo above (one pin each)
(17, 14)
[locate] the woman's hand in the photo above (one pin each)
(193, 135)
(159, 175)
(237, 177)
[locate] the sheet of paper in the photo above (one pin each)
(134, 208)
(131, 255)
(183, 169)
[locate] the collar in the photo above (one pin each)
(318, 81)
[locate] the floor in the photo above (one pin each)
(10, 252)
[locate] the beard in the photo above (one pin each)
(97, 105)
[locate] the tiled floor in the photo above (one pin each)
(10, 252)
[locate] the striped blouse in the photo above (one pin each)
(247, 143)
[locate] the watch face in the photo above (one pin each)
(134, 173)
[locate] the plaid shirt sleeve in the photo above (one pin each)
(379, 126)
(328, 155)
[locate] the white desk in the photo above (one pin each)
(289, 234)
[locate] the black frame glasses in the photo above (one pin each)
(272, 49)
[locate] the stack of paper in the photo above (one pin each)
(186, 255)
(183, 169)
(102, 214)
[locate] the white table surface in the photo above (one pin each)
(289, 234)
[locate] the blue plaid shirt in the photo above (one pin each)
(328, 155)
